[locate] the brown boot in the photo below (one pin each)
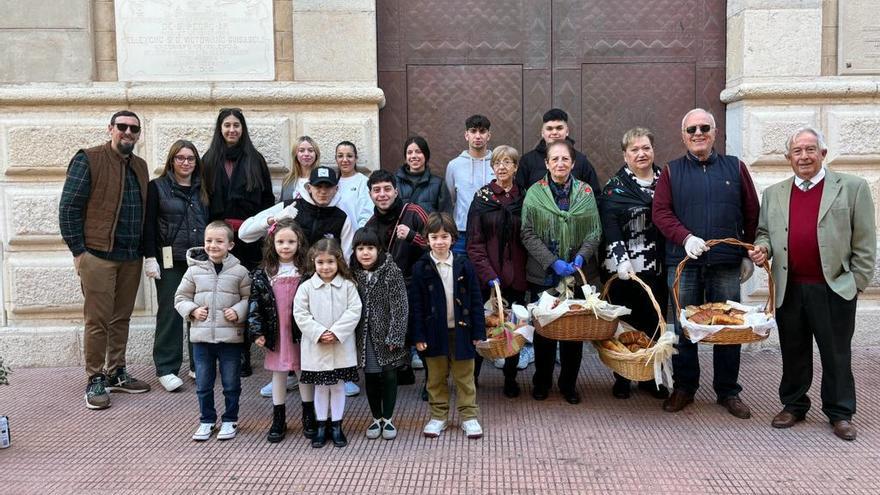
(678, 401)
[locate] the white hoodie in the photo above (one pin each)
(465, 175)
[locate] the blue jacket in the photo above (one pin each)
(708, 201)
(427, 305)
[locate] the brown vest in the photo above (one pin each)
(107, 180)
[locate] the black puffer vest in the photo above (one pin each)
(182, 216)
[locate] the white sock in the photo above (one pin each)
(306, 390)
(337, 401)
(279, 387)
(322, 401)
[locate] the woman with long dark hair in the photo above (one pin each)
(175, 221)
(415, 181)
(238, 186)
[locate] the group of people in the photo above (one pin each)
(349, 272)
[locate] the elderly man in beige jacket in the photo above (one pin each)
(818, 227)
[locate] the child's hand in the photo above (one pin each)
(421, 346)
(392, 348)
(230, 315)
(260, 341)
(475, 342)
(200, 314)
(327, 337)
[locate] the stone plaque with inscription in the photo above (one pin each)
(195, 40)
(858, 37)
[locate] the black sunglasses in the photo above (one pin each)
(124, 127)
(704, 128)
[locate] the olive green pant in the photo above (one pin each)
(168, 343)
(438, 384)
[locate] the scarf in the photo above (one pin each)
(622, 190)
(233, 153)
(567, 229)
(486, 202)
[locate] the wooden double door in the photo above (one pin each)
(611, 64)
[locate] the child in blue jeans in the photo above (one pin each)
(213, 296)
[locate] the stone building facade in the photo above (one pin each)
(60, 82)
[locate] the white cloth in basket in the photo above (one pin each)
(761, 323)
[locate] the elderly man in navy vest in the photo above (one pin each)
(705, 195)
(819, 229)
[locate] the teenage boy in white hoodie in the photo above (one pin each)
(468, 172)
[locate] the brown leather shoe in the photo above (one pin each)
(785, 419)
(736, 407)
(844, 429)
(678, 401)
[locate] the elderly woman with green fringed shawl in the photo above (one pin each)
(561, 229)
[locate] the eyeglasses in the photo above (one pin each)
(507, 162)
(184, 159)
(124, 127)
(704, 128)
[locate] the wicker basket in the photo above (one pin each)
(636, 366)
(728, 336)
(500, 348)
(577, 325)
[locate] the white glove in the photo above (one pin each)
(694, 246)
(624, 268)
(746, 269)
(151, 268)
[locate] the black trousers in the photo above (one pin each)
(815, 311)
(512, 296)
(570, 355)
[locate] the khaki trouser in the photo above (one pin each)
(438, 384)
(110, 289)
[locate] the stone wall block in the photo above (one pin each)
(329, 130)
(853, 134)
(32, 215)
(41, 284)
(46, 56)
(351, 46)
(46, 14)
(37, 147)
(768, 129)
(334, 5)
(795, 36)
(41, 346)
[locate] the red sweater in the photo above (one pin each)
(804, 262)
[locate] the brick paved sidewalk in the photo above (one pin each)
(603, 445)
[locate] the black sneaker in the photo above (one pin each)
(121, 381)
(96, 393)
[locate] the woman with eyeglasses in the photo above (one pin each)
(238, 186)
(175, 221)
(494, 245)
(633, 244)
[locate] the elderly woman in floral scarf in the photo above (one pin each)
(632, 242)
(561, 231)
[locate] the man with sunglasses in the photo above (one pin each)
(101, 216)
(700, 196)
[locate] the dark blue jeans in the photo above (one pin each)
(207, 357)
(460, 246)
(698, 285)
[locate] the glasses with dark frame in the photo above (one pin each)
(704, 128)
(184, 159)
(135, 129)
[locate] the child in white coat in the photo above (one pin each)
(327, 309)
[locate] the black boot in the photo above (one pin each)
(621, 388)
(336, 434)
(279, 424)
(246, 369)
(310, 424)
(511, 388)
(320, 438)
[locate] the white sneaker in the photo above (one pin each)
(191, 374)
(389, 431)
(471, 428)
(227, 430)
(417, 363)
(171, 382)
(204, 432)
(498, 363)
(375, 429)
(267, 390)
(434, 428)
(351, 389)
(523, 362)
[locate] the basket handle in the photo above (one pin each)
(770, 307)
(500, 303)
(661, 320)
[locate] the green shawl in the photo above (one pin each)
(567, 229)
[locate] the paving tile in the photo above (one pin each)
(603, 445)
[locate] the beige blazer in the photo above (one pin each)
(846, 233)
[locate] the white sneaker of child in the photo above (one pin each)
(472, 428)
(389, 431)
(375, 429)
(434, 428)
(203, 432)
(351, 389)
(227, 430)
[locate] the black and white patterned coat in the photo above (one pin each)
(385, 313)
